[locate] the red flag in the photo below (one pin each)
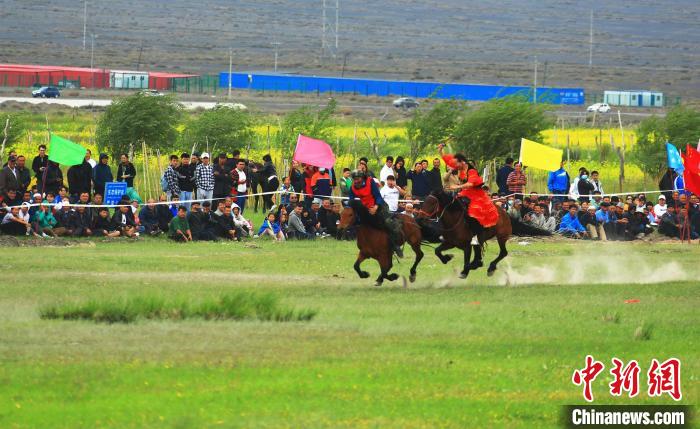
(314, 152)
(691, 173)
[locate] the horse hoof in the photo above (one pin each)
(392, 277)
(364, 274)
(490, 272)
(412, 278)
(462, 275)
(447, 258)
(475, 265)
(377, 284)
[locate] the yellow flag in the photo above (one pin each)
(536, 155)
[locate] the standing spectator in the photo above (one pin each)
(391, 194)
(559, 182)
(585, 187)
(222, 178)
(88, 158)
(270, 181)
(364, 165)
(296, 177)
(597, 185)
(204, 179)
(345, 183)
(9, 176)
(170, 177)
(401, 178)
(387, 169)
(321, 184)
(435, 177)
(126, 171)
(285, 190)
(23, 174)
(80, 179)
(54, 177)
(420, 186)
(102, 174)
(516, 181)
(179, 228)
(185, 180)
(502, 176)
(39, 164)
(240, 184)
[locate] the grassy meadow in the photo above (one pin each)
(442, 352)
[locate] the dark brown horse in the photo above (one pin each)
(456, 231)
(374, 242)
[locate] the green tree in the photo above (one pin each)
(139, 118)
(681, 127)
(12, 128)
(318, 124)
(433, 126)
(495, 129)
(223, 127)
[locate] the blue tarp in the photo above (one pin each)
(282, 82)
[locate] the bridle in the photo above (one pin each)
(437, 209)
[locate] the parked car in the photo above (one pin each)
(234, 106)
(151, 93)
(599, 107)
(405, 103)
(46, 92)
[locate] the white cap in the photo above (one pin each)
(662, 197)
(205, 155)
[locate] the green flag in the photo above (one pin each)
(65, 152)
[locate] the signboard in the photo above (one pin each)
(114, 192)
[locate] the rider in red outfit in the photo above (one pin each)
(481, 207)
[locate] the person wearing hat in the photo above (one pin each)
(660, 208)
(365, 189)
(9, 176)
(204, 178)
(102, 174)
(589, 220)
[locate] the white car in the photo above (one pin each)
(405, 103)
(599, 107)
(234, 106)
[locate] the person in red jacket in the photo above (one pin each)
(480, 207)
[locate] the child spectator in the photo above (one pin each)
(271, 228)
(103, 226)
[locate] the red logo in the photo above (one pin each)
(665, 378)
(587, 375)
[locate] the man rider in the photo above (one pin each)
(365, 189)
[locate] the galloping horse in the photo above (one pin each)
(374, 242)
(457, 233)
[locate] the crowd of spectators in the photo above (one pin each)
(206, 200)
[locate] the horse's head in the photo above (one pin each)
(435, 203)
(351, 214)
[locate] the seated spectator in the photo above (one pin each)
(639, 224)
(149, 218)
(271, 228)
(164, 214)
(570, 225)
(44, 221)
(200, 223)
(242, 225)
(409, 210)
(669, 225)
(97, 200)
(332, 220)
(102, 225)
(14, 224)
(82, 222)
(179, 228)
(296, 228)
(589, 220)
(649, 211)
(621, 222)
(64, 221)
(660, 208)
(538, 219)
(225, 227)
(123, 220)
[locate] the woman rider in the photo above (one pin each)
(480, 207)
(365, 189)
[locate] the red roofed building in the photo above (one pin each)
(35, 75)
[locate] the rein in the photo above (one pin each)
(442, 213)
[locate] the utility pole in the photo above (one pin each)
(534, 98)
(337, 12)
(84, 22)
(590, 44)
(326, 47)
(138, 64)
(92, 56)
(323, 31)
(276, 45)
(230, 70)
(345, 61)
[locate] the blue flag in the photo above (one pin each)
(674, 158)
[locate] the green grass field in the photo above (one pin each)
(441, 352)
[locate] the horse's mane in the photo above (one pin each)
(446, 201)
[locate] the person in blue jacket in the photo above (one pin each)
(570, 225)
(559, 182)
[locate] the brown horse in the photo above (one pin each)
(374, 242)
(456, 232)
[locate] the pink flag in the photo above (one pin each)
(314, 152)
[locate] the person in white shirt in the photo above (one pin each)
(387, 170)
(661, 208)
(597, 186)
(391, 194)
(240, 182)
